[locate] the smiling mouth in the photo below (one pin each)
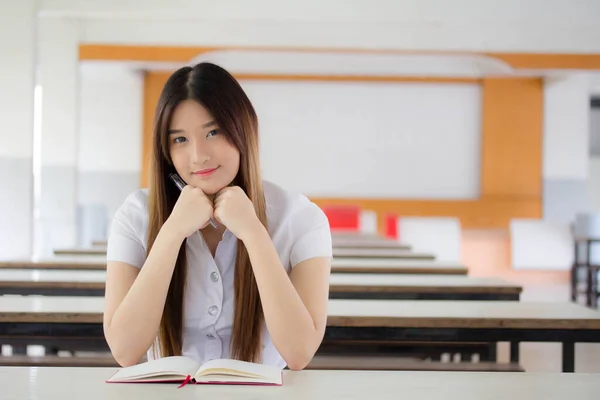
(206, 172)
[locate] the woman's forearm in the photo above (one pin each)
(134, 325)
(288, 321)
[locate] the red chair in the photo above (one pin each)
(343, 218)
(391, 226)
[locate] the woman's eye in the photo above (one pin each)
(179, 139)
(212, 133)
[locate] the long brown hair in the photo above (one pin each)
(225, 100)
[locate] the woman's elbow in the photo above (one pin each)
(298, 364)
(300, 360)
(124, 355)
(124, 359)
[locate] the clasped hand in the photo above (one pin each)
(231, 207)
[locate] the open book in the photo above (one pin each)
(220, 371)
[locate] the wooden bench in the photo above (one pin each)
(324, 362)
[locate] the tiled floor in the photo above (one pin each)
(487, 253)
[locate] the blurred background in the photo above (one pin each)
(475, 116)
(469, 129)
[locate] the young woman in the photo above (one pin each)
(230, 267)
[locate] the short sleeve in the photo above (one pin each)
(127, 234)
(311, 234)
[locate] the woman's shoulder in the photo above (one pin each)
(136, 201)
(284, 200)
(134, 209)
(285, 205)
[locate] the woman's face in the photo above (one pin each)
(200, 151)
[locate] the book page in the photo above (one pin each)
(240, 368)
(162, 367)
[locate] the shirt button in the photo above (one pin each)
(213, 310)
(214, 277)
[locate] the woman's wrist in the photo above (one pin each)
(171, 233)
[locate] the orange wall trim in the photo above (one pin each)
(511, 158)
(512, 115)
(153, 84)
(97, 52)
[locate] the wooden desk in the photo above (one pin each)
(368, 243)
(395, 266)
(471, 321)
(66, 383)
(420, 287)
(64, 263)
(52, 282)
(78, 324)
(380, 253)
(81, 251)
(340, 264)
(342, 286)
(368, 252)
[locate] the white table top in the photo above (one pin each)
(355, 313)
(379, 253)
(395, 266)
(391, 262)
(51, 275)
(64, 383)
(416, 281)
(66, 262)
(376, 243)
(338, 279)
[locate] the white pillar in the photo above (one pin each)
(566, 146)
(59, 75)
(17, 77)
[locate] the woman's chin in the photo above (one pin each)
(210, 189)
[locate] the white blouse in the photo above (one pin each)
(298, 228)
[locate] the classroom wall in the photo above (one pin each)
(17, 41)
(109, 140)
(594, 184)
(398, 25)
(569, 183)
(593, 180)
(566, 146)
(59, 79)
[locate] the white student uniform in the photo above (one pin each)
(299, 231)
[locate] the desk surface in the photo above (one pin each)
(347, 251)
(65, 262)
(396, 266)
(358, 252)
(99, 250)
(422, 283)
(349, 313)
(339, 282)
(368, 242)
(62, 383)
(339, 264)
